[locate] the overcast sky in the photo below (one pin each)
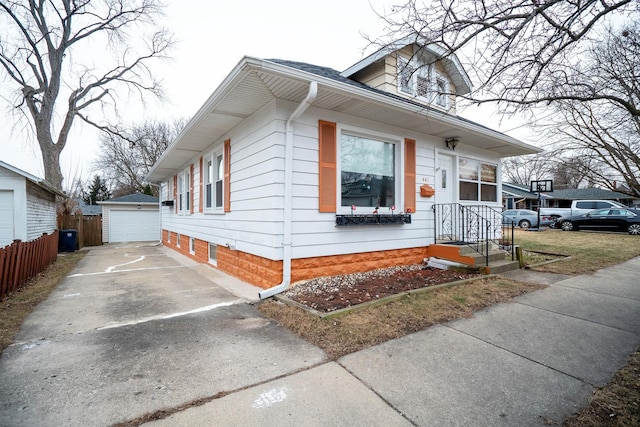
(212, 38)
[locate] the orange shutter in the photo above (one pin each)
(227, 175)
(409, 175)
(175, 191)
(200, 198)
(191, 188)
(327, 166)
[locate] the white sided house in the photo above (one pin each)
(27, 205)
(291, 171)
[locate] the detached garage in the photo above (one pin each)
(27, 205)
(132, 218)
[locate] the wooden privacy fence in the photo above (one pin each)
(21, 261)
(88, 228)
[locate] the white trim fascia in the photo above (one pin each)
(44, 184)
(227, 85)
(248, 64)
(389, 101)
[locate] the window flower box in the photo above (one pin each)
(374, 219)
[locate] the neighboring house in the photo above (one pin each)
(27, 205)
(517, 196)
(261, 182)
(563, 198)
(87, 210)
(132, 218)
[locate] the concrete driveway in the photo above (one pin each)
(134, 330)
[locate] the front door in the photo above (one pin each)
(445, 180)
(447, 218)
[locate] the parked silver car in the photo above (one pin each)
(524, 218)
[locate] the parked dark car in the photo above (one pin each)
(524, 218)
(616, 219)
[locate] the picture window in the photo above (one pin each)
(367, 171)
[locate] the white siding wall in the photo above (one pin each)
(254, 224)
(315, 233)
(41, 212)
(18, 184)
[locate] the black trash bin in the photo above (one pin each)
(68, 240)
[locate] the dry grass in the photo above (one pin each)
(616, 404)
(355, 331)
(588, 251)
(17, 306)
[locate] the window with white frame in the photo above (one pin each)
(208, 177)
(478, 180)
(180, 192)
(192, 245)
(165, 191)
(213, 254)
(219, 177)
(405, 75)
(178, 239)
(187, 189)
(213, 178)
(367, 171)
(442, 92)
(184, 191)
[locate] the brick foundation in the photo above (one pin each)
(266, 273)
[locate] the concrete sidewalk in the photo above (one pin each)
(531, 362)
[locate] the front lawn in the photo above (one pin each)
(589, 251)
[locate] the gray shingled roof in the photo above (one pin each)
(518, 190)
(336, 75)
(89, 210)
(133, 198)
(588, 194)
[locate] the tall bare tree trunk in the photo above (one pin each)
(51, 159)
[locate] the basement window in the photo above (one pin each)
(213, 253)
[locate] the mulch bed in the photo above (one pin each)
(327, 294)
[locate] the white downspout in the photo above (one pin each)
(288, 193)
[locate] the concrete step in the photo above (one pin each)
(499, 261)
(465, 254)
(493, 256)
(502, 266)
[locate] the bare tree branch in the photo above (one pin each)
(37, 54)
(522, 53)
(126, 156)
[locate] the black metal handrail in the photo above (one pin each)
(479, 227)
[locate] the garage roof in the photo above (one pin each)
(132, 199)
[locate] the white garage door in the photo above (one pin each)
(134, 226)
(6, 218)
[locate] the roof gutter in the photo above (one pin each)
(288, 193)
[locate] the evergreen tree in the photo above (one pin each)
(96, 191)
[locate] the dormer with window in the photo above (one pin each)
(414, 71)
